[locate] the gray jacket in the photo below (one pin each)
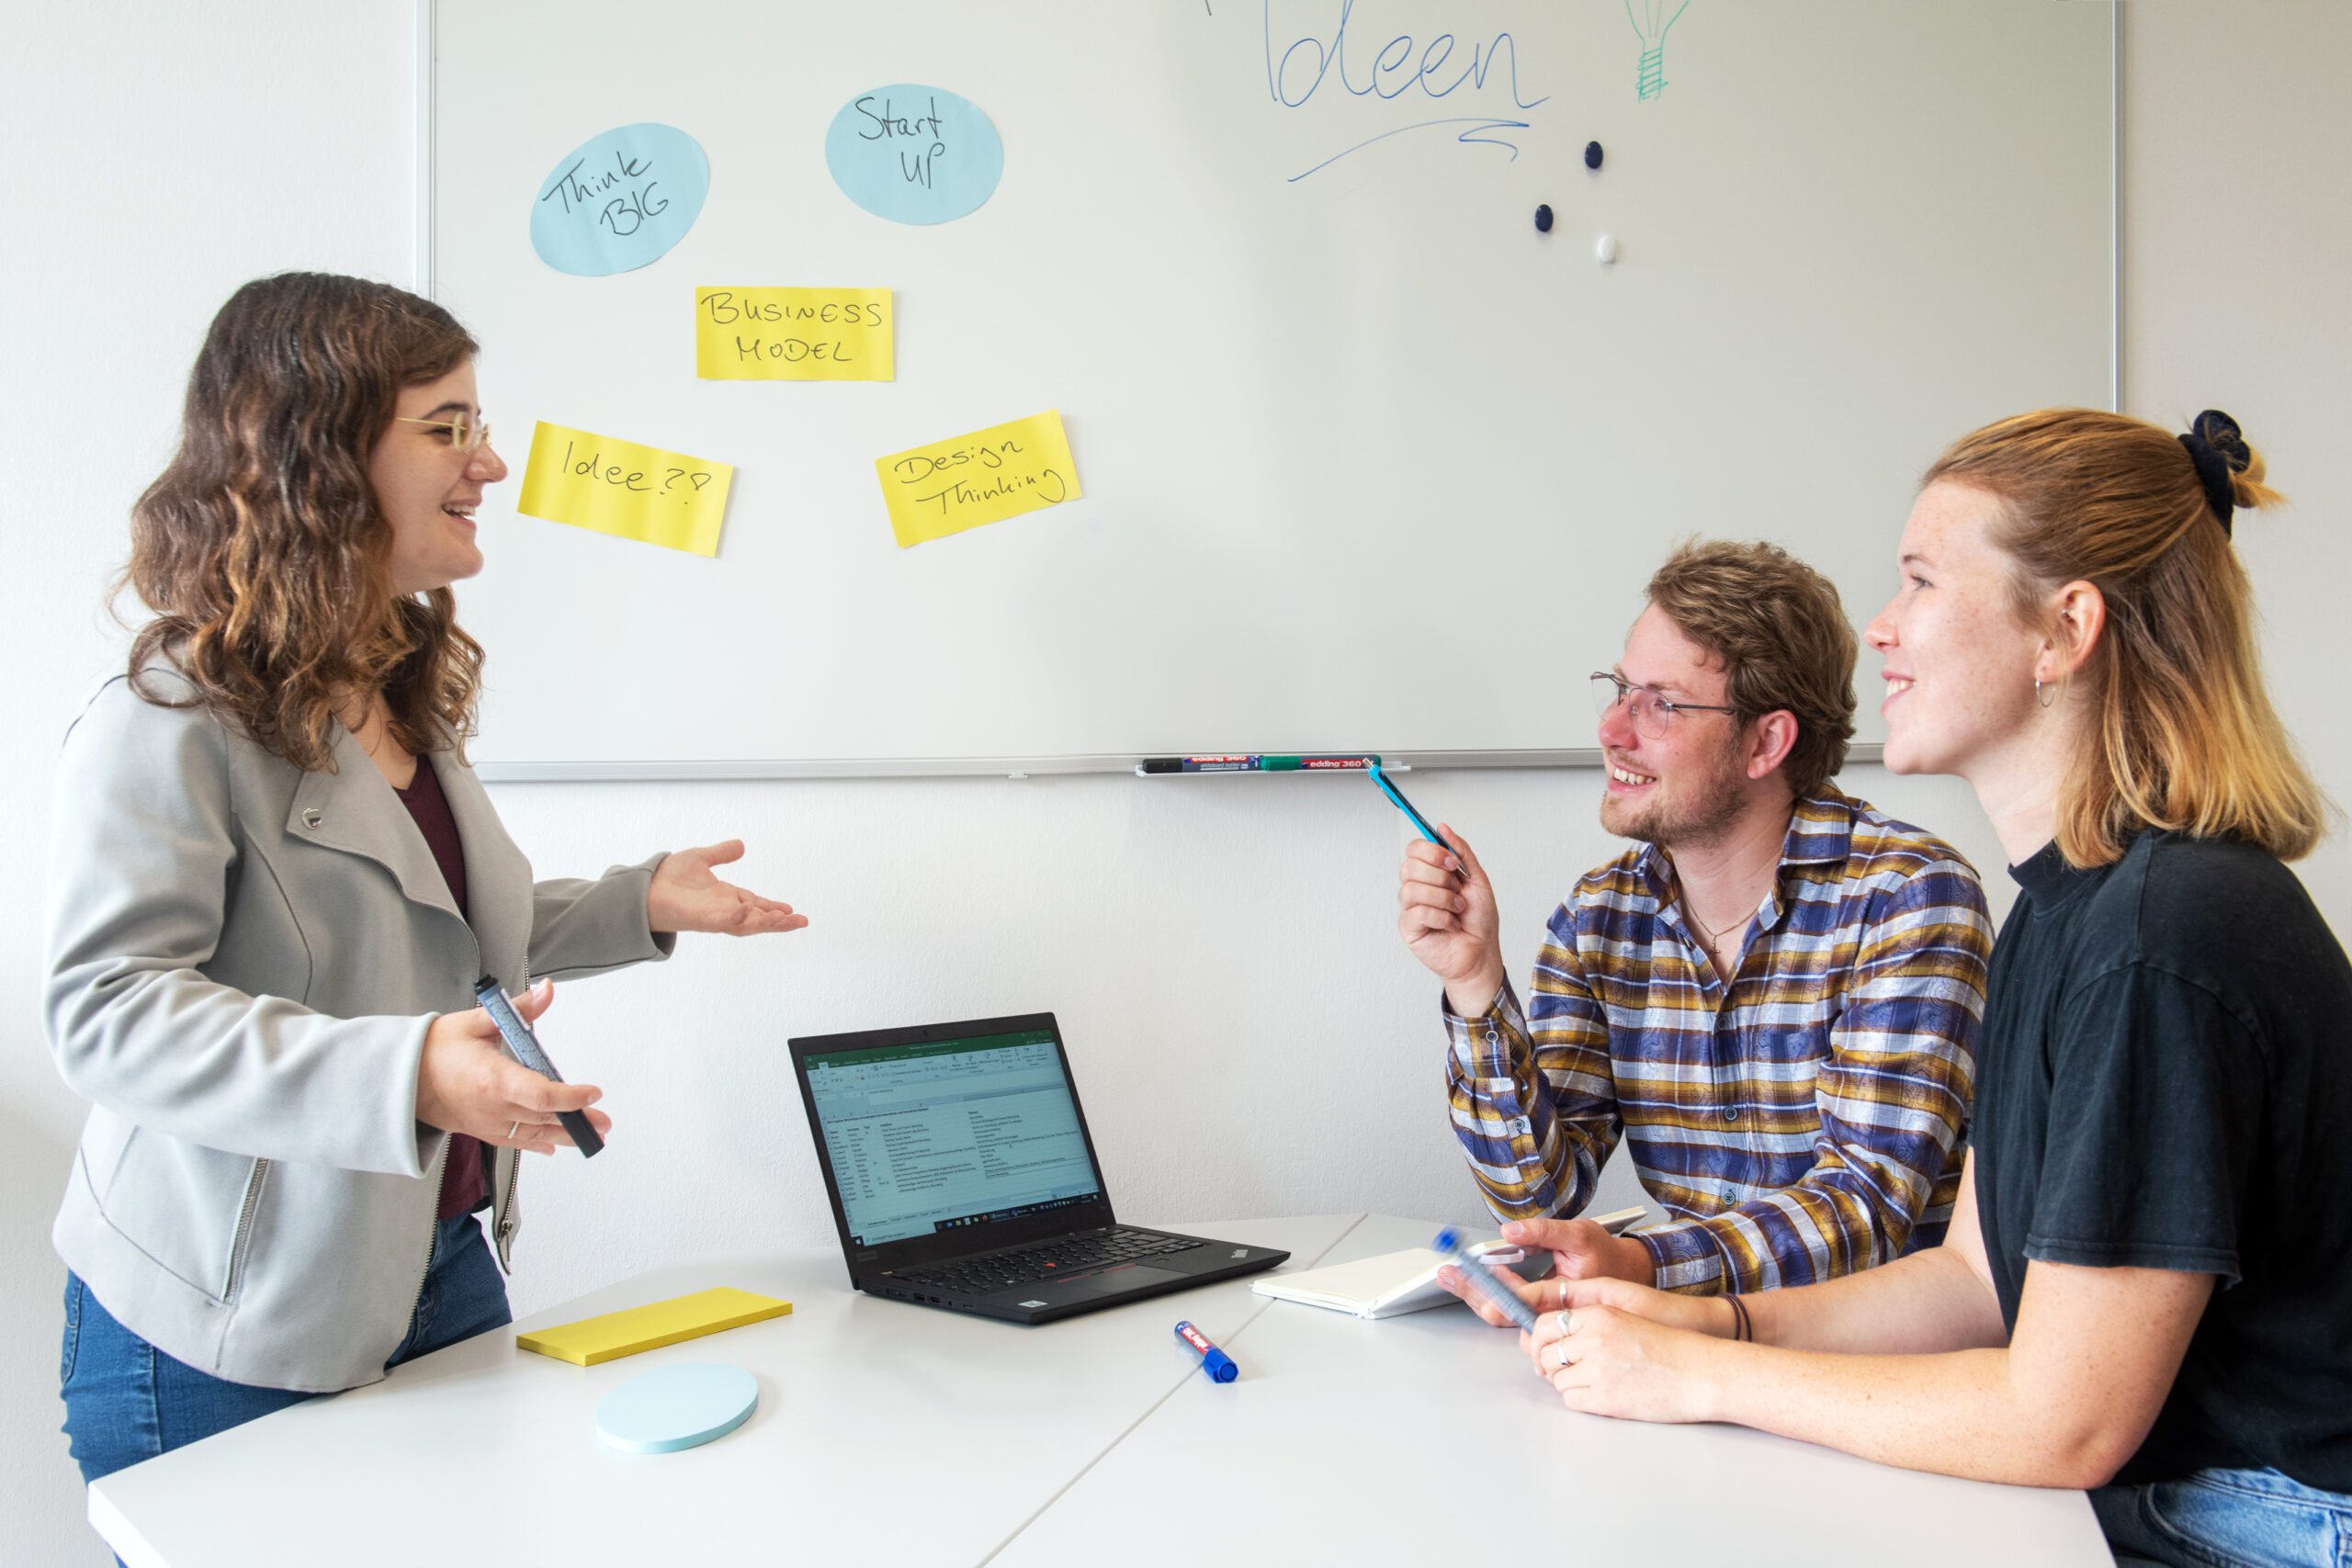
(244, 959)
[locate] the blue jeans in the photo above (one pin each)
(126, 1401)
(2228, 1519)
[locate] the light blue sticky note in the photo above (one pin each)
(677, 1407)
(914, 154)
(619, 200)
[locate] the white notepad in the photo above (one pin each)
(1397, 1283)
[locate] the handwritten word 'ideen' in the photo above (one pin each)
(836, 334)
(1396, 68)
(985, 477)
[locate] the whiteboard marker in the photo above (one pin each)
(1396, 798)
(1483, 1279)
(1255, 762)
(1214, 1361)
(526, 1046)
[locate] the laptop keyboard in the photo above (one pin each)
(1050, 1259)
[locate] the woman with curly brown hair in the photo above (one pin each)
(275, 882)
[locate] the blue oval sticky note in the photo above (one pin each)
(619, 200)
(914, 154)
(677, 1407)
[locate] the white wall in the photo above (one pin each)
(2237, 252)
(1249, 1036)
(160, 154)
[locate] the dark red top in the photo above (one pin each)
(463, 1188)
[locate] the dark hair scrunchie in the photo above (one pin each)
(2218, 448)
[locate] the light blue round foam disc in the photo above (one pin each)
(677, 1407)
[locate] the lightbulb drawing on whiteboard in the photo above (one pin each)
(1650, 20)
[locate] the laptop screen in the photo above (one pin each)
(928, 1137)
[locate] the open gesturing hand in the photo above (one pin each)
(686, 896)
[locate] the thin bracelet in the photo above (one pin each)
(1743, 1329)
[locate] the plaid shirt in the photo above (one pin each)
(1808, 1123)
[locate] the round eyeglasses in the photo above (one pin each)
(468, 431)
(1651, 713)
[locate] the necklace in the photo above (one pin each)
(1712, 938)
(1715, 938)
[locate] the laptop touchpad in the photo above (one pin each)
(1126, 1276)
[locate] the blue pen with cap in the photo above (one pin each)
(1214, 1361)
(1483, 1279)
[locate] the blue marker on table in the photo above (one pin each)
(1396, 798)
(1214, 1361)
(526, 1046)
(1483, 1279)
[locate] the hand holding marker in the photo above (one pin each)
(1461, 861)
(1483, 1279)
(525, 1047)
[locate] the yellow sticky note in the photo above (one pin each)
(618, 486)
(616, 1333)
(985, 477)
(792, 335)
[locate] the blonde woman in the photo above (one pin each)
(275, 881)
(2147, 1287)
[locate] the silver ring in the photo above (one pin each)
(1566, 1320)
(1564, 1354)
(511, 1131)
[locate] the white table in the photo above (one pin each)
(1428, 1439)
(891, 1430)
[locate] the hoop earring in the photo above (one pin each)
(2044, 696)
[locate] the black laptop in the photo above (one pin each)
(962, 1176)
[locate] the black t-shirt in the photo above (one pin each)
(2164, 1081)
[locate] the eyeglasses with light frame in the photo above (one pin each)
(467, 432)
(1651, 713)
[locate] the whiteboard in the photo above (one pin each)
(1368, 462)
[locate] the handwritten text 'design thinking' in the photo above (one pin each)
(985, 477)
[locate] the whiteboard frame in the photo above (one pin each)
(421, 220)
(1010, 767)
(421, 227)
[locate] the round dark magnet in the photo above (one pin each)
(1543, 220)
(1592, 154)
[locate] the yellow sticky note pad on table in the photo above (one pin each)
(792, 335)
(621, 487)
(985, 477)
(616, 1333)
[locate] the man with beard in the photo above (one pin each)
(1773, 996)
